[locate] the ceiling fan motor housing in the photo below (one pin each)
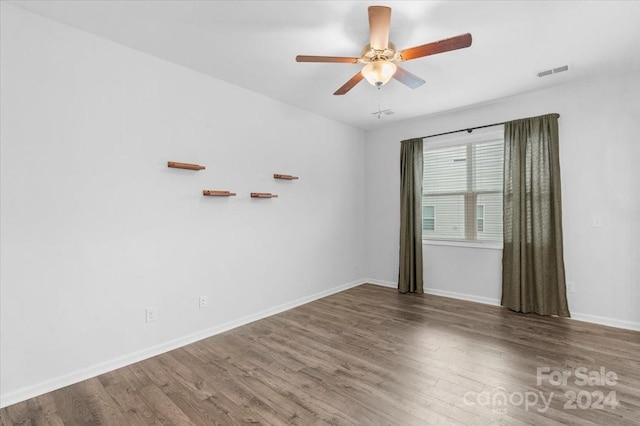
(369, 54)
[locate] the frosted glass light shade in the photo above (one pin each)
(379, 72)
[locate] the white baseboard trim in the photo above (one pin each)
(463, 296)
(611, 322)
(594, 319)
(444, 293)
(104, 367)
(381, 283)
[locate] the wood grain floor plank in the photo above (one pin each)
(70, 402)
(17, 414)
(134, 409)
(186, 397)
(282, 399)
(104, 410)
(164, 407)
(218, 395)
(234, 388)
(126, 395)
(313, 394)
(46, 411)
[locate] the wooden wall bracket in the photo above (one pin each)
(285, 177)
(188, 166)
(263, 195)
(214, 193)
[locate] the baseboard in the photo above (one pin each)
(436, 292)
(611, 322)
(87, 373)
(381, 283)
(463, 296)
(594, 319)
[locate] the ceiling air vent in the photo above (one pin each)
(379, 113)
(553, 71)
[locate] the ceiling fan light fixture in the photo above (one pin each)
(379, 73)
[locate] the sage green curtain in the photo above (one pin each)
(533, 276)
(411, 164)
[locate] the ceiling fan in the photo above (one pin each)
(380, 55)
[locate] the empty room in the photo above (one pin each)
(319, 212)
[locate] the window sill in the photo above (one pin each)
(468, 244)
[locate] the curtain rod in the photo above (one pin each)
(468, 130)
(471, 129)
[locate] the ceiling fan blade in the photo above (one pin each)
(349, 84)
(453, 43)
(379, 23)
(408, 79)
(334, 59)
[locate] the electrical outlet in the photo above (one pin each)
(151, 314)
(571, 286)
(202, 301)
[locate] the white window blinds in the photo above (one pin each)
(463, 183)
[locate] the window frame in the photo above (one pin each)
(457, 139)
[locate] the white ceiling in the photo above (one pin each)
(253, 44)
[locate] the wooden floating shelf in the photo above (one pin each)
(285, 177)
(176, 165)
(263, 195)
(213, 193)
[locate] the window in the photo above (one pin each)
(463, 184)
(429, 218)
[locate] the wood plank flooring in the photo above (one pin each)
(368, 356)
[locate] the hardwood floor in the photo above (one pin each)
(369, 356)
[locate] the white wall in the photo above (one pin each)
(600, 157)
(95, 227)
